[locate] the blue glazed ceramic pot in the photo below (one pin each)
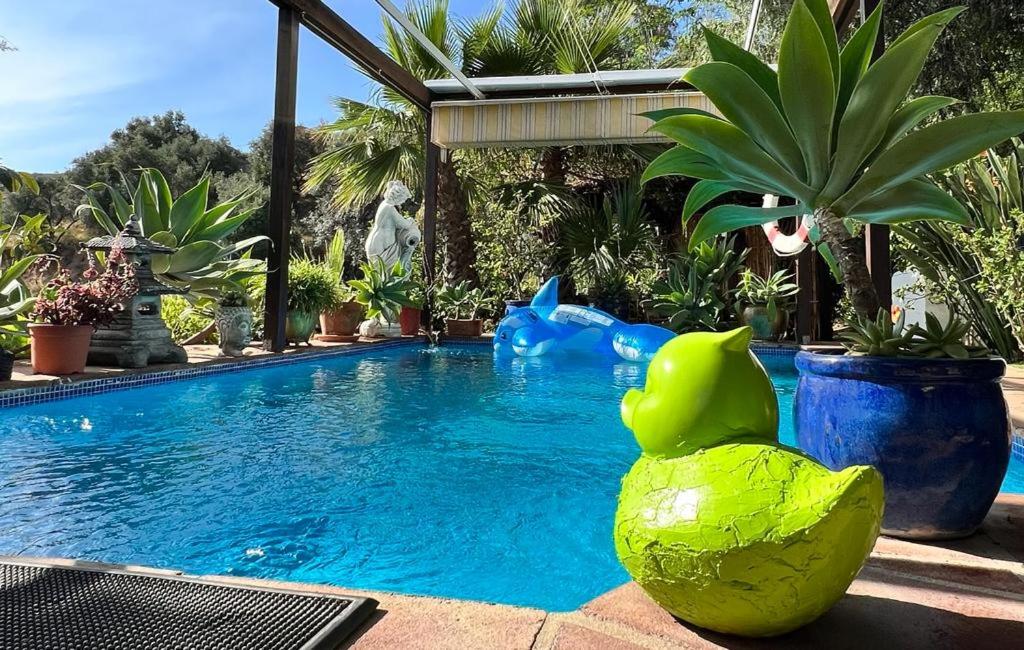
(938, 430)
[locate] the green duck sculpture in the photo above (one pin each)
(719, 523)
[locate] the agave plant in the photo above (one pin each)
(204, 261)
(769, 292)
(695, 293)
(459, 301)
(830, 130)
(888, 336)
(382, 290)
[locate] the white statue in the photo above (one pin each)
(393, 238)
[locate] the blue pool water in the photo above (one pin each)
(432, 471)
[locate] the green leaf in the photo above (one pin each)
(121, 206)
(190, 257)
(702, 193)
(763, 75)
(16, 269)
(941, 19)
(241, 247)
(808, 91)
(29, 182)
(823, 17)
(856, 57)
(682, 161)
(189, 209)
(915, 200)
(225, 227)
(932, 149)
(726, 218)
(910, 115)
(662, 113)
(163, 196)
(746, 105)
(165, 238)
(98, 213)
(734, 153)
(146, 208)
(880, 92)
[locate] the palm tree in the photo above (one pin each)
(372, 143)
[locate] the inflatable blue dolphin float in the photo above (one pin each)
(545, 327)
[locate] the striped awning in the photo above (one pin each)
(594, 120)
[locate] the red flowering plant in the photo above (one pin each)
(95, 301)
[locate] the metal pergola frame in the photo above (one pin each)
(320, 19)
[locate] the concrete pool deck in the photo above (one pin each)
(961, 594)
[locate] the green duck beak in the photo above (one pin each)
(629, 404)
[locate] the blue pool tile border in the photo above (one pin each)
(59, 390)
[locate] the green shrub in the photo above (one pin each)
(1001, 262)
(183, 321)
(312, 286)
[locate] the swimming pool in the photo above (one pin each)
(439, 471)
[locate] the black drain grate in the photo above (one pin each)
(58, 608)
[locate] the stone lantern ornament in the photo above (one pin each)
(137, 336)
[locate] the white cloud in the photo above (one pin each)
(82, 68)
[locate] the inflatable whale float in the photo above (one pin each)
(545, 327)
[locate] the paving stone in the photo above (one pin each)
(575, 637)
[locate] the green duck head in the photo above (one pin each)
(703, 389)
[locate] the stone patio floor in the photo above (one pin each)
(963, 594)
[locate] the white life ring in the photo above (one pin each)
(786, 245)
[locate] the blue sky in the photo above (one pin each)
(84, 67)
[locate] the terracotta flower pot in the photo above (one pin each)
(343, 321)
(59, 349)
(410, 321)
(473, 327)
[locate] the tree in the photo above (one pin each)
(979, 58)
(370, 144)
(255, 178)
(730, 19)
(165, 142)
(830, 130)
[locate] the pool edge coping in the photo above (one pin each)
(70, 387)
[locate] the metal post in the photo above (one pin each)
(281, 166)
(432, 159)
(806, 297)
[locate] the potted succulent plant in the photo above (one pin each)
(383, 292)
(831, 129)
(762, 303)
(233, 317)
(340, 324)
(312, 289)
(461, 307)
(922, 406)
(67, 312)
